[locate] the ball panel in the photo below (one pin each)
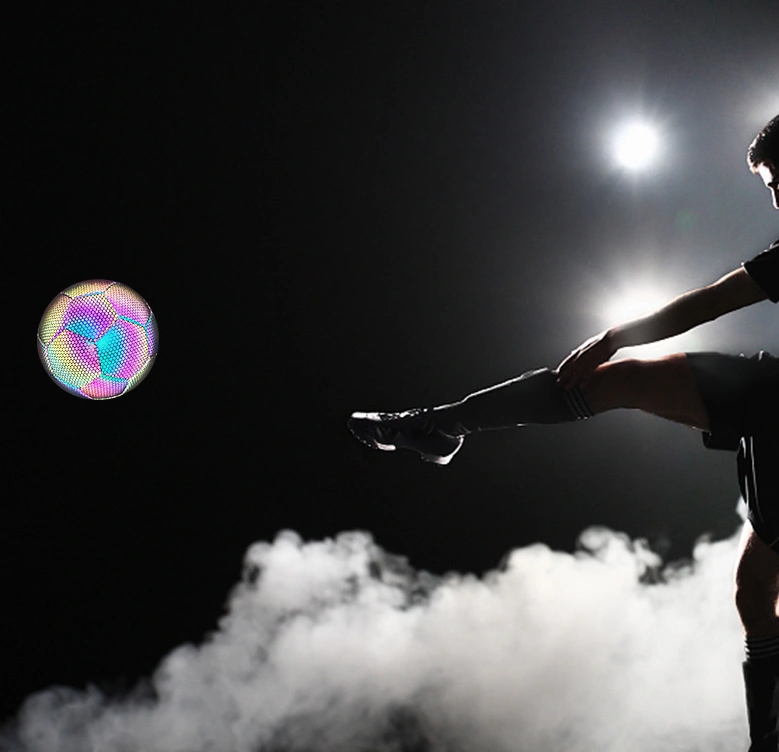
(104, 388)
(75, 391)
(133, 381)
(152, 336)
(123, 349)
(90, 316)
(52, 319)
(43, 355)
(88, 286)
(109, 349)
(73, 359)
(128, 304)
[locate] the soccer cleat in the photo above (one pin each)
(411, 429)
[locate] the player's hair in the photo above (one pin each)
(765, 147)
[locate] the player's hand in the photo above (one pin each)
(576, 369)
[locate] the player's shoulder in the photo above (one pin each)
(764, 269)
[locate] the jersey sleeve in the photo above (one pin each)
(764, 269)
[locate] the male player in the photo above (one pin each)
(734, 400)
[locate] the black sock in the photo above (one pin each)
(533, 397)
(761, 681)
(762, 649)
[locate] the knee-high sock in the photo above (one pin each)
(761, 680)
(533, 397)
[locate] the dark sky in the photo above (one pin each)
(350, 206)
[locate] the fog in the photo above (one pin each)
(340, 645)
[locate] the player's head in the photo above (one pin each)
(763, 157)
(765, 148)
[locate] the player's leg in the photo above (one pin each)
(756, 586)
(436, 433)
(757, 601)
(664, 387)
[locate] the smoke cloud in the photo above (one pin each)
(338, 645)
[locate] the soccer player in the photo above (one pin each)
(733, 400)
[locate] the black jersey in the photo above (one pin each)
(742, 401)
(764, 269)
(758, 453)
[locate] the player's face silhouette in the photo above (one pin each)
(770, 175)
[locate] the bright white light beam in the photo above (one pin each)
(636, 145)
(632, 302)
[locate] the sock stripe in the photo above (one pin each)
(762, 648)
(582, 397)
(573, 406)
(578, 403)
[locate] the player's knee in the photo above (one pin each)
(617, 384)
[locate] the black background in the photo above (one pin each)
(337, 207)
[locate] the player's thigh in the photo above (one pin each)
(756, 581)
(662, 386)
(741, 393)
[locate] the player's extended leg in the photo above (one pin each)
(664, 387)
(677, 388)
(757, 602)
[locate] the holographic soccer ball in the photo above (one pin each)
(98, 339)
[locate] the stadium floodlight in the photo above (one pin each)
(636, 145)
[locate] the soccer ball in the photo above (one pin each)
(98, 339)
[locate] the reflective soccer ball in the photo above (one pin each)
(98, 339)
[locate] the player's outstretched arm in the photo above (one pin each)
(729, 293)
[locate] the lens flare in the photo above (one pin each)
(636, 145)
(632, 302)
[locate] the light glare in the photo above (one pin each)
(632, 303)
(636, 146)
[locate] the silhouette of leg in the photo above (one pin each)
(664, 387)
(757, 601)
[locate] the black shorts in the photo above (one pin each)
(741, 396)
